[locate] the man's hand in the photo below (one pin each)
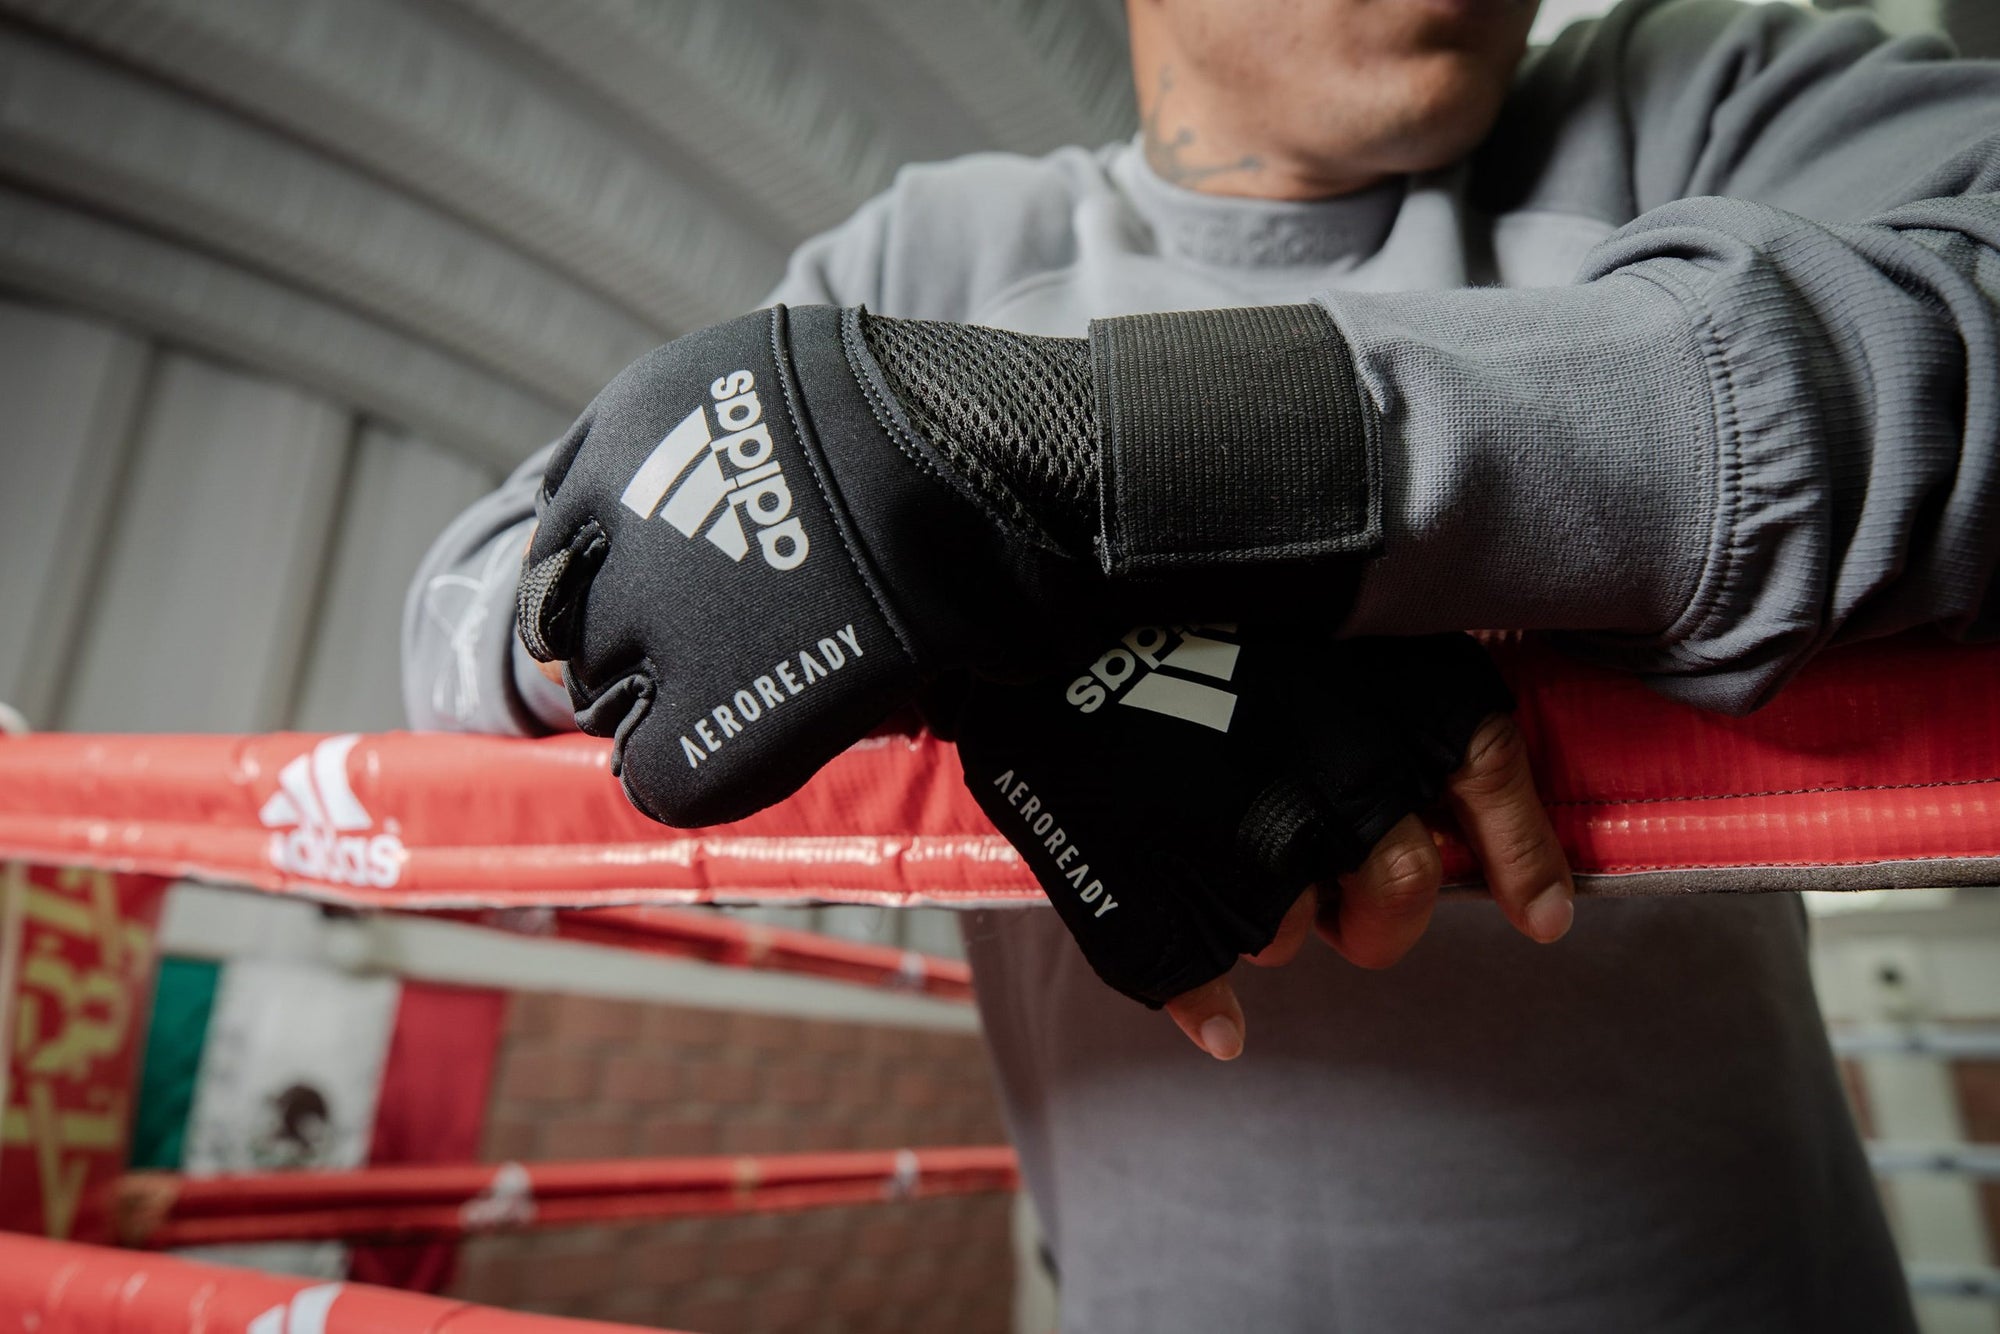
(1382, 908)
(1175, 795)
(762, 538)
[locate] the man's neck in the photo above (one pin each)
(1188, 146)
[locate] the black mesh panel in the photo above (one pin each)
(1014, 413)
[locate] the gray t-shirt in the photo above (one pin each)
(1619, 363)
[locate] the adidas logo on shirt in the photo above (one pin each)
(320, 826)
(1164, 669)
(708, 481)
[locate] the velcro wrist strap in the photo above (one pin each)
(1232, 438)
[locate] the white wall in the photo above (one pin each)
(71, 386)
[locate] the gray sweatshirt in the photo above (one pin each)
(1696, 361)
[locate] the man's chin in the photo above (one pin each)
(1437, 113)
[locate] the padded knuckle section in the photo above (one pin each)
(566, 451)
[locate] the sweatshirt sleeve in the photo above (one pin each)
(1765, 417)
(464, 667)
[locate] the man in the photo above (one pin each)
(1723, 395)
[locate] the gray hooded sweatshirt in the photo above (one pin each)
(1696, 361)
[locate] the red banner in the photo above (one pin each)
(76, 971)
(432, 1109)
(1879, 766)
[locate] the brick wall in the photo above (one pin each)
(582, 1077)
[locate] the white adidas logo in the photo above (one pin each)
(319, 823)
(689, 462)
(1154, 667)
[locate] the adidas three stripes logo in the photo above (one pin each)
(319, 828)
(708, 482)
(1170, 670)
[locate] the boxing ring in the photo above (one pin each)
(1878, 768)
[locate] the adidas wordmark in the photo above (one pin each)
(320, 828)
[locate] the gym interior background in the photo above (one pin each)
(285, 284)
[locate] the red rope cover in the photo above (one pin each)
(1879, 766)
(54, 1287)
(732, 943)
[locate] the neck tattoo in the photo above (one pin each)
(1169, 156)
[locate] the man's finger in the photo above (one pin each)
(1212, 1018)
(1493, 795)
(1386, 903)
(1292, 932)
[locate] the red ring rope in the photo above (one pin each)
(729, 942)
(54, 1287)
(1878, 766)
(163, 1210)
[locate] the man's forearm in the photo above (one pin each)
(1741, 437)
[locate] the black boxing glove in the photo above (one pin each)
(1175, 796)
(764, 536)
